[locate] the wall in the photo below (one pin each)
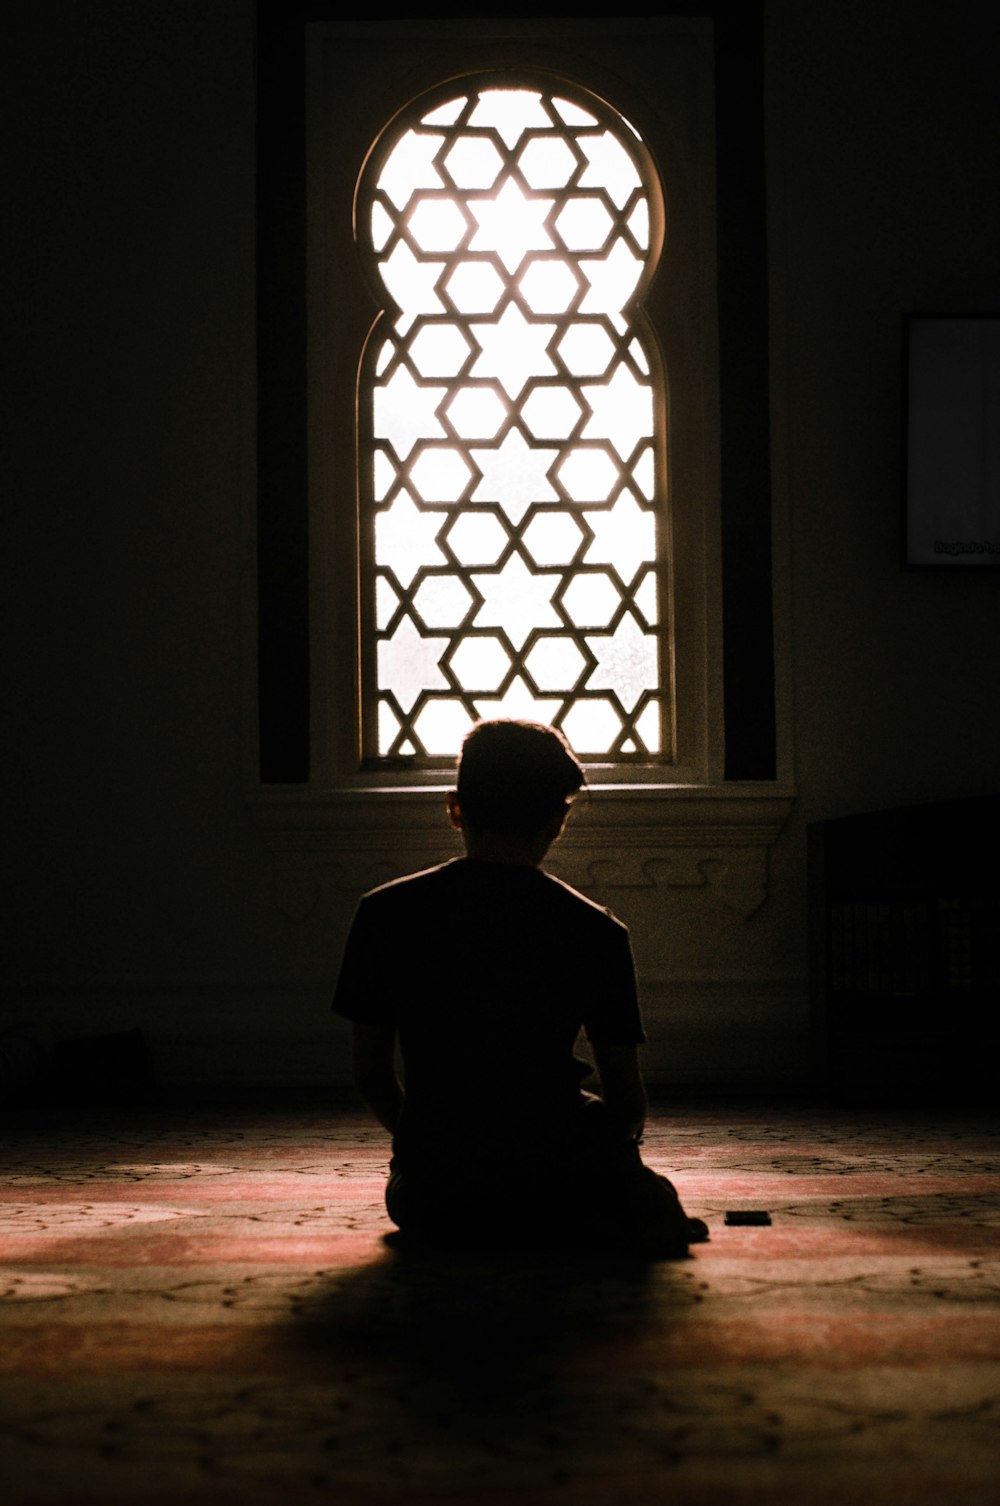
(139, 889)
(883, 125)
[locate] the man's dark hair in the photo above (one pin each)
(514, 776)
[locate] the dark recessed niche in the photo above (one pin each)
(283, 520)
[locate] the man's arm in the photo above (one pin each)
(375, 1072)
(622, 1087)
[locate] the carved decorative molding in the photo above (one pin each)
(734, 877)
(711, 840)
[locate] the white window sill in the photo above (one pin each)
(712, 837)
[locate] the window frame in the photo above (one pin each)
(683, 323)
(281, 711)
(604, 117)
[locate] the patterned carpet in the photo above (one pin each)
(200, 1308)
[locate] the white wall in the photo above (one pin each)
(140, 891)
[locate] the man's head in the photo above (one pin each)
(515, 778)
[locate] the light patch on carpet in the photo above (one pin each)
(84, 1218)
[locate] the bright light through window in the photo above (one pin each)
(511, 411)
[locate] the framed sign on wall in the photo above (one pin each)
(952, 440)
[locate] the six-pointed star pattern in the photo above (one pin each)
(512, 410)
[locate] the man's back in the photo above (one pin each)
(488, 971)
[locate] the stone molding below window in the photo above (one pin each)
(710, 841)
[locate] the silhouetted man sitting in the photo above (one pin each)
(485, 969)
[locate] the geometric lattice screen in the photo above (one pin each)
(511, 413)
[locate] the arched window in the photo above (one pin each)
(514, 529)
(648, 592)
(513, 440)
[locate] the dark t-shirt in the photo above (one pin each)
(488, 971)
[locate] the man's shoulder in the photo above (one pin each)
(410, 886)
(586, 910)
(460, 880)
